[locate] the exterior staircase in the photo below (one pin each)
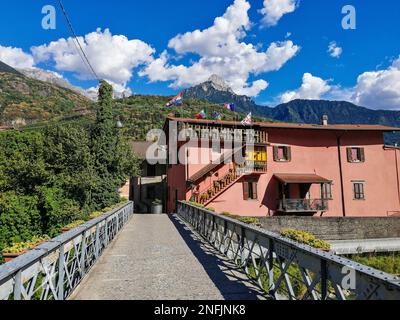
(218, 188)
(222, 185)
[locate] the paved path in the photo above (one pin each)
(156, 257)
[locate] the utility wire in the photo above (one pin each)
(79, 47)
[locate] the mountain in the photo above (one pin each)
(339, 112)
(5, 68)
(215, 90)
(52, 78)
(25, 100)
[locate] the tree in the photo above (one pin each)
(114, 162)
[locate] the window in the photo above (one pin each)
(258, 154)
(326, 191)
(250, 190)
(355, 155)
(282, 154)
(359, 190)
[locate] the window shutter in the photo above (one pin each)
(289, 153)
(276, 153)
(362, 154)
(245, 190)
(255, 193)
(349, 155)
(362, 191)
(323, 191)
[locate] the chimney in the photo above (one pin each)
(325, 120)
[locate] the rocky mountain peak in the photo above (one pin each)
(218, 83)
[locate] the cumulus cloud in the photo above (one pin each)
(113, 57)
(222, 52)
(374, 89)
(379, 89)
(16, 58)
(334, 50)
(311, 88)
(274, 10)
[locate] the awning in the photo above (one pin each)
(301, 178)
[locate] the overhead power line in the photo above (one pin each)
(77, 43)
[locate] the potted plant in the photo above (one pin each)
(14, 251)
(157, 207)
(18, 249)
(72, 225)
(96, 214)
(306, 238)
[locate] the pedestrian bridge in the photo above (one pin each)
(193, 255)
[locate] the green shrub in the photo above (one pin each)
(196, 204)
(389, 263)
(305, 238)
(20, 218)
(247, 220)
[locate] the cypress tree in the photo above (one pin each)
(104, 146)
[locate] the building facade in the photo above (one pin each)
(151, 185)
(283, 169)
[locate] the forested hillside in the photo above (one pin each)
(25, 101)
(55, 175)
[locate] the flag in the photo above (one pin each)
(176, 101)
(230, 106)
(201, 115)
(248, 120)
(218, 116)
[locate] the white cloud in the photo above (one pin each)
(274, 10)
(222, 52)
(16, 58)
(311, 88)
(374, 89)
(113, 57)
(379, 89)
(334, 50)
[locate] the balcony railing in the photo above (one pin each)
(303, 205)
(216, 132)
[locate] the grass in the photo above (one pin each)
(389, 263)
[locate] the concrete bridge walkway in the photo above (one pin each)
(157, 257)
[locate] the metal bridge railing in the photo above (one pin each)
(54, 269)
(285, 269)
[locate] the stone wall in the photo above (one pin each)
(337, 228)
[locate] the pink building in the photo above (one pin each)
(292, 169)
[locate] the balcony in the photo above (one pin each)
(303, 205)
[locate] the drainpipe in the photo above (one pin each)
(339, 143)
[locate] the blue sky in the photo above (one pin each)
(368, 54)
